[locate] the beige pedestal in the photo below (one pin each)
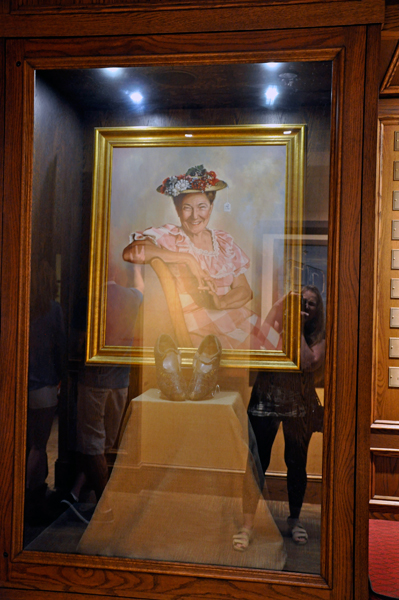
(176, 487)
(211, 434)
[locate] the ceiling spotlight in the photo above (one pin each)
(113, 71)
(136, 97)
(271, 65)
(271, 94)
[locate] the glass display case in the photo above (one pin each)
(151, 383)
(184, 314)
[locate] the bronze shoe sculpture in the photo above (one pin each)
(168, 368)
(206, 366)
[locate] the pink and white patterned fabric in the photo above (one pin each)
(236, 328)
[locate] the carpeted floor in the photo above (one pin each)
(384, 558)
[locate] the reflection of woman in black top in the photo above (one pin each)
(288, 398)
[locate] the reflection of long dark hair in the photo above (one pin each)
(314, 331)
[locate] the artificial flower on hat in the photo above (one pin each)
(196, 179)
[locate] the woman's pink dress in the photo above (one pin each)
(236, 328)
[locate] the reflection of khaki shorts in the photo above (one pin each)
(99, 416)
(44, 397)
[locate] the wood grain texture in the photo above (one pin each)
(385, 399)
(385, 475)
(184, 48)
(346, 340)
(385, 440)
(389, 84)
(9, 304)
(2, 99)
(387, 49)
(151, 590)
(391, 22)
(31, 6)
(388, 516)
(366, 299)
(93, 23)
(3, 472)
(388, 109)
(385, 413)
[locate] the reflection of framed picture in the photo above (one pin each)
(312, 266)
(260, 170)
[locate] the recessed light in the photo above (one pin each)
(271, 65)
(113, 71)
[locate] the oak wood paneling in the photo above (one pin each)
(232, 17)
(386, 475)
(9, 315)
(366, 322)
(81, 5)
(385, 400)
(391, 22)
(2, 99)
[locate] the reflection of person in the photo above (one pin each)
(288, 398)
(46, 356)
(208, 265)
(102, 396)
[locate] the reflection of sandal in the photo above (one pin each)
(242, 539)
(298, 532)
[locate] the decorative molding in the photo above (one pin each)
(386, 86)
(383, 426)
(384, 501)
(390, 452)
(51, 6)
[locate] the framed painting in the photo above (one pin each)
(177, 245)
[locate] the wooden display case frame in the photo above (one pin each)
(354, 52)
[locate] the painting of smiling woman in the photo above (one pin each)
(208, 265)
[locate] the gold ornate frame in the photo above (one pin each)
(291, 138)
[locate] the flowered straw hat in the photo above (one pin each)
(197, 179)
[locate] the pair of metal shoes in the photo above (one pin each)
(205, 369)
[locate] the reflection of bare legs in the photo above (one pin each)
(40, 421)
(253, 488)
(252, 492)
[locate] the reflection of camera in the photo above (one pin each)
(303, 304)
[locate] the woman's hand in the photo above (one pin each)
(275, 317)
